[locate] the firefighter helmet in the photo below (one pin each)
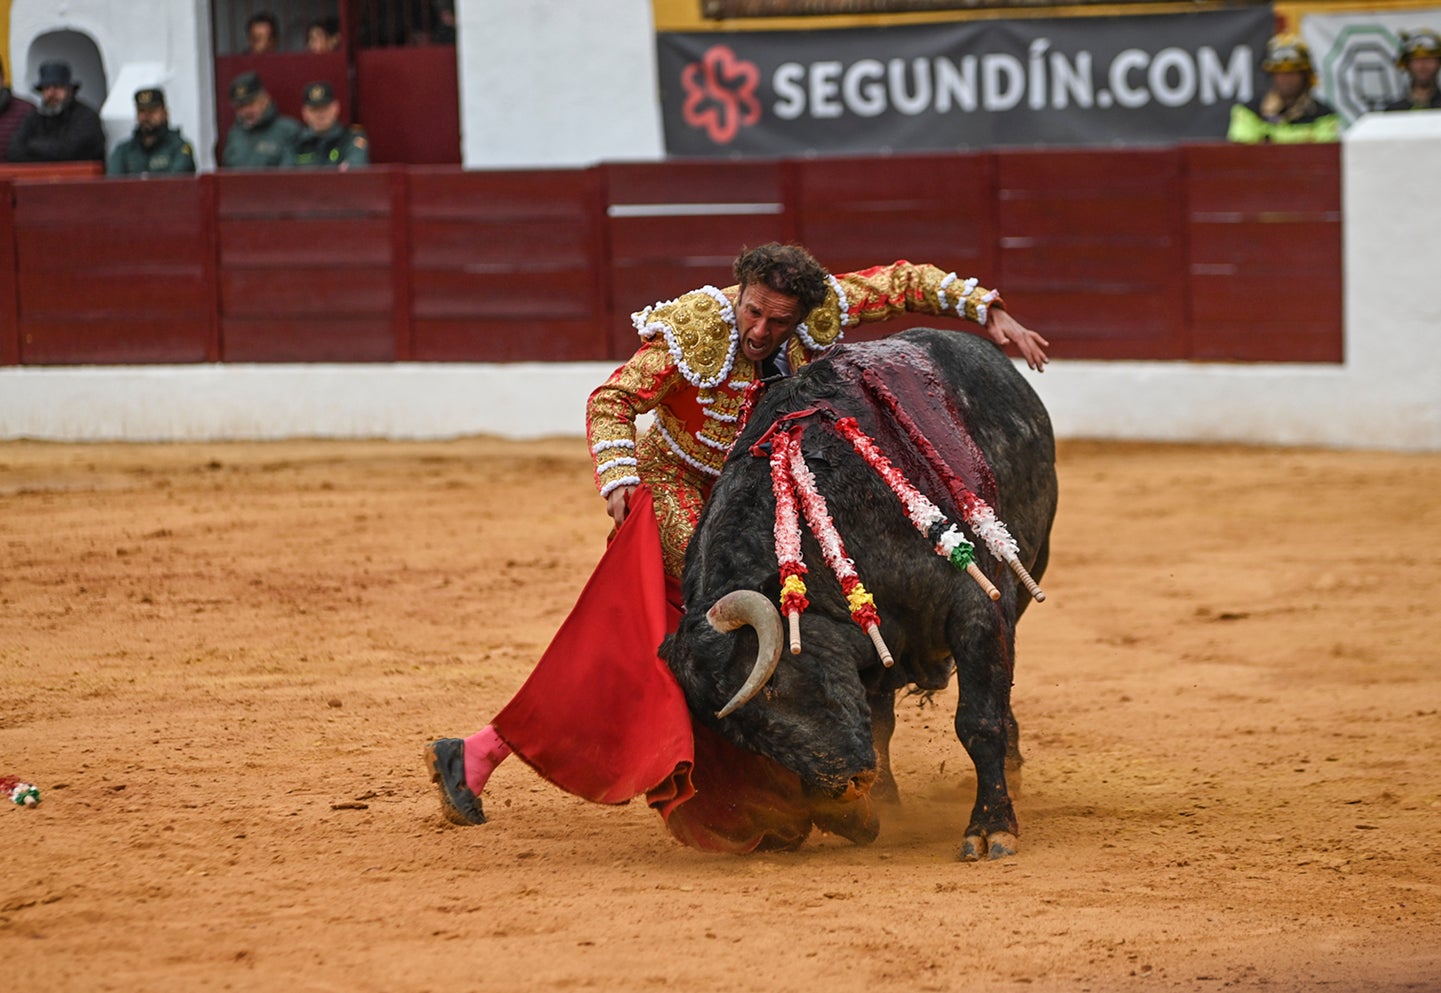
(1422, 44)
(1287, 53)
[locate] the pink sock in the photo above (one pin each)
(483, 752)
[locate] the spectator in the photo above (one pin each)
(444, 31)
(62, 129)
(325, 142)
(260, 134)
(1420, 57)
(322, 35)
(262, 33)
(13, 109)
(154, 146)
(1288, 112)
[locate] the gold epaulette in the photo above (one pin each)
(826, 325)
(699, 328)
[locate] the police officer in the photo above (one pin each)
(1420, 56)
(325, 142)
(260, 134)
(154, 146)
(1288, 112)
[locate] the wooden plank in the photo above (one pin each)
(402, 341)
(9, 297)
(307, 339)
(1297, 248)
(692, 182)
(700, 239)
(312, 294)
(111, 339)
(488, 340)
(340, 242)
(1253, 180)
(1103, 263)
(50, 172)
(302, 193)
(558, 195)
(210, 265)
(436, 293)
(499, 244)
(1250, 340)
(133, 292)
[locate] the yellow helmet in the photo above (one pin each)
(1287, 53)
(1421, 44)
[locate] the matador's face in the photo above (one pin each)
(766, 319)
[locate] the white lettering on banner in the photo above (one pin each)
(864, 88)
(1233, 83)
(920, 101)
(1121, 89)
(1002, 93)
(824, 90)
(956, 81)
(999, 81)
(1068, 82)
(791, 96)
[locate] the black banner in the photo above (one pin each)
(1146, 79)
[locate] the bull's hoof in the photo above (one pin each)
(997, 845)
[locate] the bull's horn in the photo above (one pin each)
(749, 607)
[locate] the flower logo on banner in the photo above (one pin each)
(720, 94)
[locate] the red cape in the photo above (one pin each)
(602, 716)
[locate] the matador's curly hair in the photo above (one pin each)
(788, 269)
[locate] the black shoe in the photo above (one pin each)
(446, 761)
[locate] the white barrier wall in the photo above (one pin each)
(1387, 393)
(557, 83)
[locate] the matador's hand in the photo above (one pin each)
(1003, 328)
(617, 503)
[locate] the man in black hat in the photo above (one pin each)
(325, 142)
(154, 146)
(261, 134)
(13, 110)
(62, 129)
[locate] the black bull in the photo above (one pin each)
(827, 714)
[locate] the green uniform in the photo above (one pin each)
(336, 146)
(263, 145)
(170, 153)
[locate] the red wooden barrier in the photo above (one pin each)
(676, 226)
(1264, 226)
(9, 299)
(306, 263)
(507, 266)
(1209, 252)
(111, 271)
(859, 212)
(1091, 253)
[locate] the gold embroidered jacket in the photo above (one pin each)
(691, 372)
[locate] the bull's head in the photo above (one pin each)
(808, 712)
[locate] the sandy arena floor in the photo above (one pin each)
(220, 663)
